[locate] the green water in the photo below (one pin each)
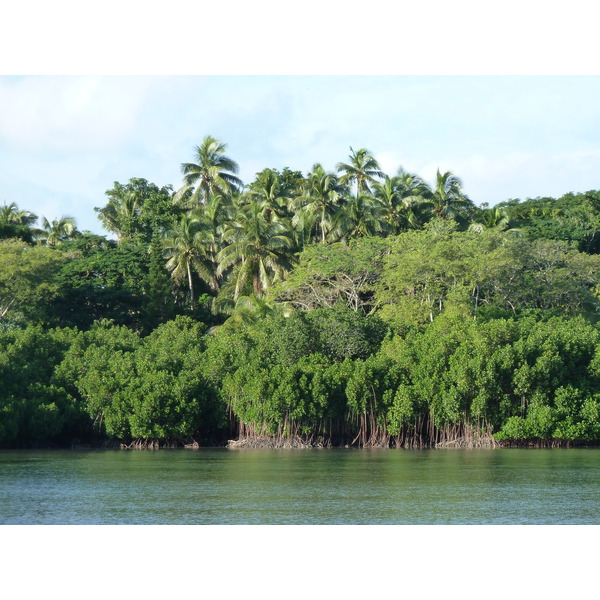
(336, 486)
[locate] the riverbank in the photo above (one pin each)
(257, 442)
(279, 442)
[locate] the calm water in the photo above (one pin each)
(336, 486)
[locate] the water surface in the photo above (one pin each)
(310, 487)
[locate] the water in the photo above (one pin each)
(309, 487)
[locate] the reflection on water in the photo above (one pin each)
(334, 486)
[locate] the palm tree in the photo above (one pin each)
(119, 215)
(267, 194)
(11, 214)
(60, 230)
(398, 204)
(213, 217)
(319, 201)
(447, 198)
(403, 201)
(212, 173)
(183, 251)
(360, 217)
(414, 192)
(257, 250)
(497, 218)
(362, 169)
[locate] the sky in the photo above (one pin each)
(64, 140)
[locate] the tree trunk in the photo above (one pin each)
(189, 272)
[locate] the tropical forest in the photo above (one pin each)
(339, 307)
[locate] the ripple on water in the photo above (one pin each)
(333, 486)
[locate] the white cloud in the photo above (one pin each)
(523, 175)
(59, 115)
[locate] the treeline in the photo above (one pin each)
(336, 308)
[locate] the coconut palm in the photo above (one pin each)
(447, 198)
(11, 214)
(361, 216)
(184, 251)
(400, 203)
(497, 218)
(411, 186)
(213, 217)
(257, 251)
(212, 173)
(266, 192)
(57, 231)
(402, 200)
(318, 202)
(119, 215)
(414, 192)
(362, 169)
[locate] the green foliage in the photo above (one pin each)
(28, 278)
(16, 231)
(326, 275)
(150, 388)
(169, 395)
(343, 333)
(554, 379)
(158, 305)
(35, 407)
(371, 387)
(137, 210)
(99, 281)
(281, 400)
(572, 218)
(427, 271)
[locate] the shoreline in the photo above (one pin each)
(297, 443)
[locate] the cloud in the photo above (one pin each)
(524, 175)
(62, 115)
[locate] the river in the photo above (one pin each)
(310, 487)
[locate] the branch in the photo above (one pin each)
(4, 309)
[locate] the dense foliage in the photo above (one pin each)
(338, 307)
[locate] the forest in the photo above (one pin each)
(342, 307)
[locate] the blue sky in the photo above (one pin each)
(64, 140)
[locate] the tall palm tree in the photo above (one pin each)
(389, 196)
(119, 215)
(213, 216)
(267, 194)
(57, 231)
(11, 214)
(414, 192)
(411, 185)
(258, 251)
(362, 169)
(497, 218)
(319, 201)
(360, 217)
(447, 198)
(212, 173)
(183, 251)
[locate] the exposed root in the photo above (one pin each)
(155, 444)
(277, 442)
